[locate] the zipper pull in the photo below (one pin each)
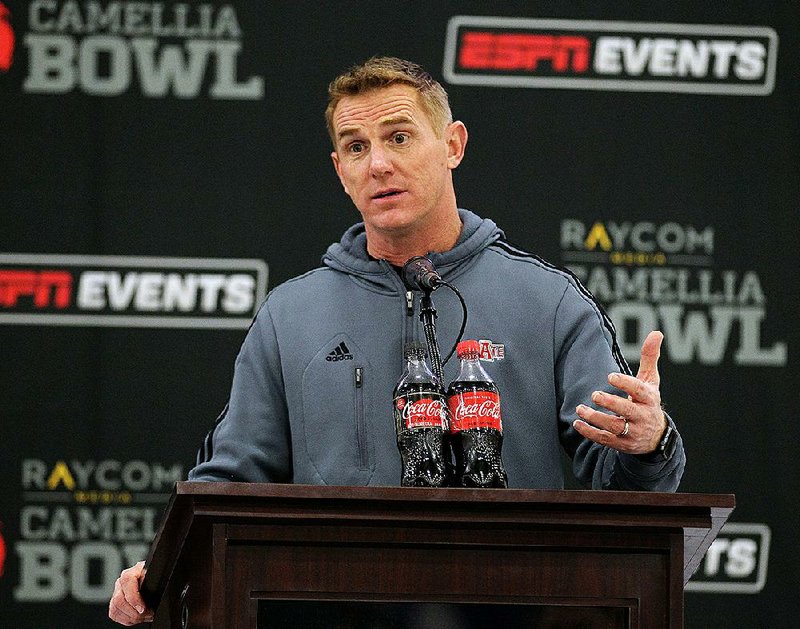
(409, 303)
(359, 377)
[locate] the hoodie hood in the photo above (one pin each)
(350, 256)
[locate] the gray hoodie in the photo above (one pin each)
(311, 400)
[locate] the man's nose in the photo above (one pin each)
(380, 162)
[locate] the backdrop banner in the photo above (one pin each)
(164, 164)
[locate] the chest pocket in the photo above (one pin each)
(337, 391)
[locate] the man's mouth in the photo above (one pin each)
(384, 194)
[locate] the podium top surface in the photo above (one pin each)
(254, 501)
(462, 495)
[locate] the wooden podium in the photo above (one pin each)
(240, 555)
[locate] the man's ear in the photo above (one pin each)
(338, 168)
(456, 134)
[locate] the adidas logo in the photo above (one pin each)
(341, 352)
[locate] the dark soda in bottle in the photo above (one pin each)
(420, 415)
(476, 427)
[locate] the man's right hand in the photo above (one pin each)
(127, 606)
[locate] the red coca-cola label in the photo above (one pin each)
(425, 412)
(474, 409)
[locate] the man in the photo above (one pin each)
(311, 394)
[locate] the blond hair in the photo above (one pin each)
(380, 72)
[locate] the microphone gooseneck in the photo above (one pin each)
(418, 273)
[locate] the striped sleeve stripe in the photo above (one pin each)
(206, 451)
(504, 245)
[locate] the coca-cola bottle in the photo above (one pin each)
(476, 428)
(420, 415)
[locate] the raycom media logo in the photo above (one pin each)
(597, 55)
(662, 276)
(125, 291)
(82, 521)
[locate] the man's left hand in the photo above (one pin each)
(637, 423)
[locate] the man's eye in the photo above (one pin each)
(400, 138)
(356, 147)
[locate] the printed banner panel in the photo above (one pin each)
(164, 164)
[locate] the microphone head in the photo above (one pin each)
(420, 274)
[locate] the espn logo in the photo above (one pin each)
(736, 561)
(624, 56)
(124, 291)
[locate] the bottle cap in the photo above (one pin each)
(468, 347)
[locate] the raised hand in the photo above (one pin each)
(634, 425)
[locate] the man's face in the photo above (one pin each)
(391, 162)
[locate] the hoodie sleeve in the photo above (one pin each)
(250, 441)
(586, 352)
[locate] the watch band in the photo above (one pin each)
(666, 447)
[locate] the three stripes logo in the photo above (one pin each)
(340, 352)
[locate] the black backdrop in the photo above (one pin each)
(674, 197)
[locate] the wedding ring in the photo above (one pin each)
(625, 429)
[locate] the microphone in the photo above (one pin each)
(419, 273)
